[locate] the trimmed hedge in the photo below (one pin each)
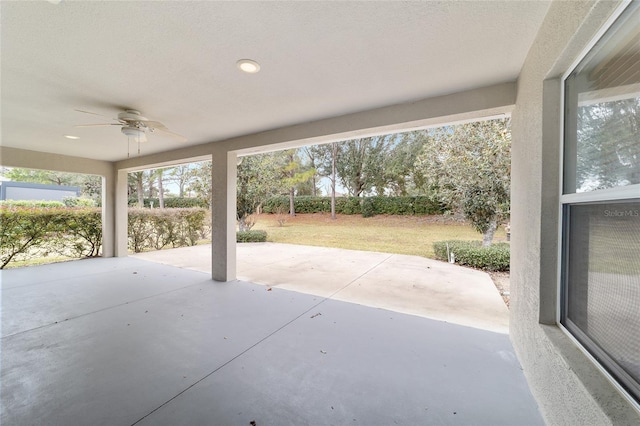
(42, 230)
(251, 236)
(158, 228)
(31, 231)
(172, 203)
(31, 204)
(471, 253)
(369, 206)
(78, 202)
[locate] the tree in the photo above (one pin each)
(294, 174)
(314, 158)
(334, 159)
(138, 185)
(200, 180)
(259, 177)
(160, 175)
(399, 164)
(181, 175)
(326, 156)
(359, 164)
(470, 167)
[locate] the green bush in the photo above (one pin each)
(251, 236)
(35, 229)
(81, 231)
(471, 253)
(158, 228)
(31, 203)
(348, 205)
(78, 202)
(172, 203)
(29, 232)
(369, 206)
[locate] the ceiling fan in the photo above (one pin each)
(134, 125)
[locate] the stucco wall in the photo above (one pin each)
(568, 386)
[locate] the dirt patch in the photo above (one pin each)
(501, 281)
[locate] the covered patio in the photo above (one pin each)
(119, 340)
(124, 341)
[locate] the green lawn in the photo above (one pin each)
(412, 235)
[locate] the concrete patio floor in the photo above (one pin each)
(124, 341)
(408, 284)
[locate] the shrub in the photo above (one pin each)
(251, 236)
(83, 228)
(78, 202)
(31, 204)
(472, 253)
(29, 232)
(408, 205)
(23, 229)
(369, 206)
(158, 228)
(173, 203)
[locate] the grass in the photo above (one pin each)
(38, 261)
(413, 235)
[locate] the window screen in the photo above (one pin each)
(603, 284)
(601, 202)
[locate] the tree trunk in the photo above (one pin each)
(334, 154)
(140, 189)
(487, 237)
(160, 189)
(151, 178)
(181, 188)
(292, 206)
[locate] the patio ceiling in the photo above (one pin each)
(176, 63)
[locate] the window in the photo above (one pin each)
(601, 202)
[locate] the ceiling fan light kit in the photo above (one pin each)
(133, 132)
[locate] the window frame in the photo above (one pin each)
(566, 200)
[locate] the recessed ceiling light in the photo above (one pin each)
(248, 65)
(71, 137)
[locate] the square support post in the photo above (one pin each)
(223, 215)
(108, 215)
(120, 214)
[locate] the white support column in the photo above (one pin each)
(120, 214)
(108, 215)
(223, 215)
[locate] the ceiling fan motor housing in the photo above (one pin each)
(131, 115)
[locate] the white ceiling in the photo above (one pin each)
(175, 62)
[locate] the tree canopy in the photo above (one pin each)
(469, 166)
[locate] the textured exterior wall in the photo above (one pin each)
(569, 388)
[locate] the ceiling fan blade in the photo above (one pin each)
(92, 113)
(98, 125)
(156, 125)
(176, 136)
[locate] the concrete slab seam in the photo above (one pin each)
(257, 343)
(359, 276)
